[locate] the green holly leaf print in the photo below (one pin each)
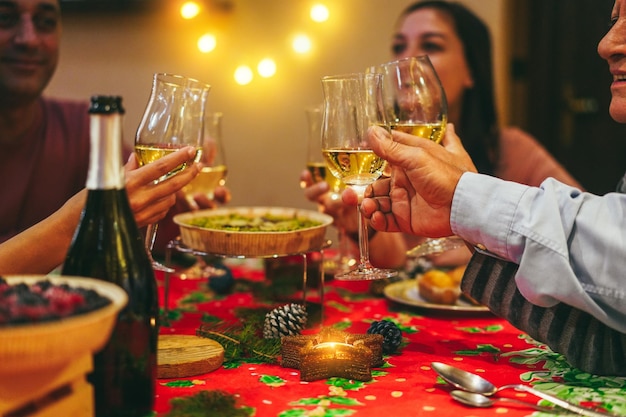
(232, 364)
(325, 401)
(180, 383)
(480, 349)
(494, 328)
(195, 297)
(236, 363)
(272, 381)
(338, 306)
(342, 325)
(346, 384)
(318, 412)
(172, 315)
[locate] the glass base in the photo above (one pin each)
(366, 274)
(157, 266)
(435, 246)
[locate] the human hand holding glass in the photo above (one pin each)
(351, 105)
(173, 118)
(415, 102)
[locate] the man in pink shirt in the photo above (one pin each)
(44, 142)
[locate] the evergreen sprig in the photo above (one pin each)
(242, 341)
(208, 404)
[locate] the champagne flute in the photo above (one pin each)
(352, 103)
(413, 98)
(212, 175)
(415, 103)
(173, 119)
(316, 165)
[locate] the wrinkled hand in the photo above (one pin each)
(417, 198)
(151, 201)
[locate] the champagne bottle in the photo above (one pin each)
(107, 245)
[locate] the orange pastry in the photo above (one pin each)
(439, 287)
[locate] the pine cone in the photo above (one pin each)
(391, 333)
(287, 320)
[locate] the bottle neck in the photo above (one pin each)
(105, 165)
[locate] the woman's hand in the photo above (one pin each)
(151, 200)
(201, 201)
(328, 202)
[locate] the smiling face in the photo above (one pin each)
(431, 32)
(612, 48)
(29, 47)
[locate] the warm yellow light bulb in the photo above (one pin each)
(189, 10)
(266, 67)
(301, 44)
(319, 13)
(207, 43)
(243, 75)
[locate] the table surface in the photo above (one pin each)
(406, 385)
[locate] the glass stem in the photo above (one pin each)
(345, 254)
(151, 231)
(150, 238)
(364, 260)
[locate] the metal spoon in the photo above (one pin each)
(479, 400)
(470, 382)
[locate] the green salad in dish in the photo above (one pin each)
(237, 222)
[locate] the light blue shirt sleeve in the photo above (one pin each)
(570, 245)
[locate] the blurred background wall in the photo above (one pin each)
(116, 52)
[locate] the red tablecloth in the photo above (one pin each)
(407, 386)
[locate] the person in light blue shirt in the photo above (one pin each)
(551, 259)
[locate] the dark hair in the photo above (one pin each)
(479, 120)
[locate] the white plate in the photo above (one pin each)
(405, 292)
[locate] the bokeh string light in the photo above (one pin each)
(319, 13)
(189, 10)
(243, 75)
(267, 67)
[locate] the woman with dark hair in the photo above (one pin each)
(459, 45)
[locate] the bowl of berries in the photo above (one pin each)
(48, 321)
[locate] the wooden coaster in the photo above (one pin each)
(185, 355)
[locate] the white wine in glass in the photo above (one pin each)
(173, 119)
(352, 103)
(214, 171)
(212, 175)
(415, 103)
(413, 98)
(316, 165)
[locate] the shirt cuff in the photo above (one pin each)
(483, 210)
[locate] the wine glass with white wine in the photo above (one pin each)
(316, 165)
(415, 103)
(352, 103)
(212, 175)
(173, 119)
